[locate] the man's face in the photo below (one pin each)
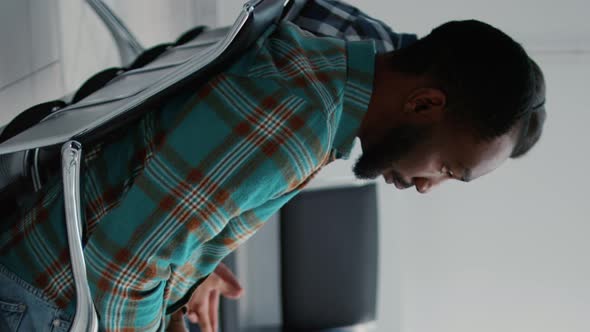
(425, 156)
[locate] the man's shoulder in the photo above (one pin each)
(313, 68)
(289, 45)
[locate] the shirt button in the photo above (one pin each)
(56, 323)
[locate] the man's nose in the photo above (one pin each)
(425, 185)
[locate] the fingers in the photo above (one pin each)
(203, 306)
(207, 313)
(204, 319)
(229, 286)
(192, 317)
(214, 309)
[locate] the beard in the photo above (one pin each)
(394, 146)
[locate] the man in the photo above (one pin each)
(165, 201)
(337, 19)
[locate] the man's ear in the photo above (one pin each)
(426, 104)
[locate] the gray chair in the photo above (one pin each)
(312, 267)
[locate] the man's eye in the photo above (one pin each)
(445, 170)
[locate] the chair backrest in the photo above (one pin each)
(134, 92)
(255, 18)
(329, 249)
(312, 267)
(111, 99)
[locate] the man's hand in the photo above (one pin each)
(203, 307)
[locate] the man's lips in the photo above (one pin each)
(390, 177)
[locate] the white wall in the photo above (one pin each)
(29, 57)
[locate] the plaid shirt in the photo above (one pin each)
(165, 201)
(336, 19)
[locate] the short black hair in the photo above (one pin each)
(531, 125)
(487, 76)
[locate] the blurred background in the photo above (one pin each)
(509, 252)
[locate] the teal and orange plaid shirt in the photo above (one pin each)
(167, 200)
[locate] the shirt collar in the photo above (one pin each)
(357, 95)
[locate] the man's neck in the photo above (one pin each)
(383, 95)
